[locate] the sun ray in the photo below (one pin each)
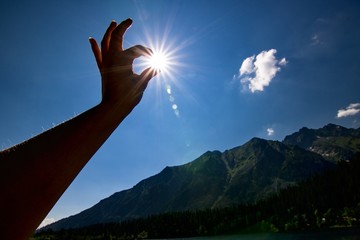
(168, 59)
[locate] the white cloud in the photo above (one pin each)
(247, 66)
(46, 221)
(352, 109)
(257, 73)
(270, 131)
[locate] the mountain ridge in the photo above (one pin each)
(333, 142)
(243, 174)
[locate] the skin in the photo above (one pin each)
(35, 173)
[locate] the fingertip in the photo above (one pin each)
(129, 21)
(112, 24)
(149, 51)
(144, 51)
(92, 40)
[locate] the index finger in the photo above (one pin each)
(138, 51)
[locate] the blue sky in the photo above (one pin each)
(243, 69)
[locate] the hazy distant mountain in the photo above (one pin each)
(241, 175)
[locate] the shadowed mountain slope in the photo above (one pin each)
(244, 174)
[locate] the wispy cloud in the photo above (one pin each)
(352, 109)
(257, 72)
(315, 39)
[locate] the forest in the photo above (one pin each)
(329, 200)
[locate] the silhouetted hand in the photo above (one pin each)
(120, 85)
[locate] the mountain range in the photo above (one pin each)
(244, 174)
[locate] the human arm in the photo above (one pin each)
(34, 174)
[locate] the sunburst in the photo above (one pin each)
(163, 60)
(159, 61)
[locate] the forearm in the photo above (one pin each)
(35, 173)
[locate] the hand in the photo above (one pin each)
(120, 85)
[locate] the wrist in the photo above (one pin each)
(116, 109)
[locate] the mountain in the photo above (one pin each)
(244, 174)
(261, 167)
(333, 142)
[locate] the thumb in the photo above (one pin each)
(146, 76)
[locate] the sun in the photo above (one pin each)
(165, 56)
(159, 61)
